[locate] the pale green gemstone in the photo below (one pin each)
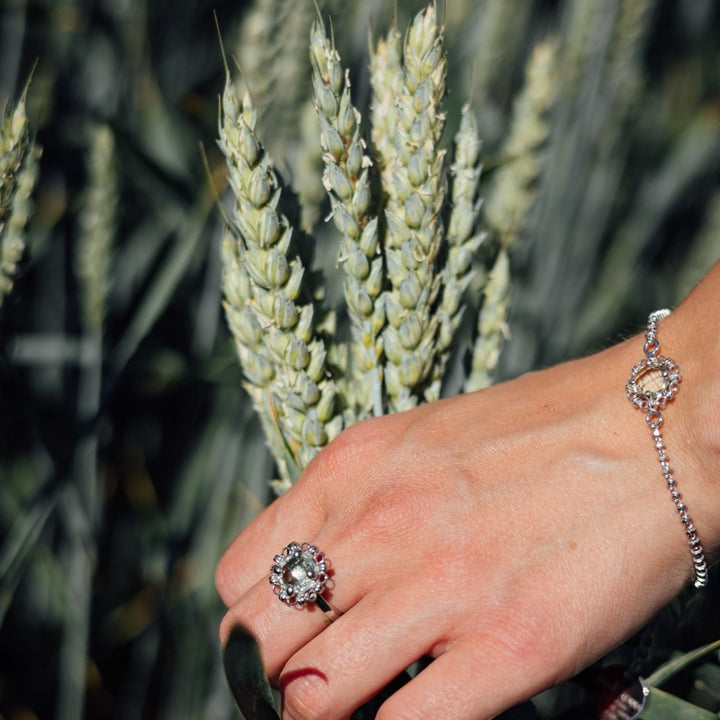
(299, 574)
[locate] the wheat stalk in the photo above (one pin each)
(463, 239)
(499, 32)
(19, 161)
(98, 221)
(346, 179)
(271, 51)
(386, 80)
(274, 325)
(509, 202)
(415, 195)
(492, 328)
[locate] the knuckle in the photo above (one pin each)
(306, 697)
(391, 710)
(223, 579)
(231, 623)
(395, 514)
(333, 472)
(349, 447)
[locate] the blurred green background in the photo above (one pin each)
(129, 459)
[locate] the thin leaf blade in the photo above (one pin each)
(246, 677)
(663, 706)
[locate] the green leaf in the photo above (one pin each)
(157, 297)
(18, 546)
(709, 676)
(666, 671)
(245, 674)
(663, 706)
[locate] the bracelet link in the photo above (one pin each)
(653, 382)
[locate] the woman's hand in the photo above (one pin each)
(515, 535)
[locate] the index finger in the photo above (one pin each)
(297, 515)
(330, 481)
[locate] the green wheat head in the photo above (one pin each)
(18, 175)
(98, 221)
(408, 223)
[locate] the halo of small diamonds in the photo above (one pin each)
(653, 383)
(298, 574)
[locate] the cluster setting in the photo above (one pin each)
(299, 574)
(653, 383)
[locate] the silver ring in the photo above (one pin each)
(299, 575)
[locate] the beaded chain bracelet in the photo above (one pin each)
(653, 382)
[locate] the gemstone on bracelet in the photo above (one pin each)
(653, 382)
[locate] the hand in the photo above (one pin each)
(515, 535)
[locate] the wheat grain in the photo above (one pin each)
(514, 188)
(386, 80)
(499, 36)
(271, 50)
(492, 325)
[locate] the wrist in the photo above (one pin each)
(585, 405)
(693, 418)
(650, 486)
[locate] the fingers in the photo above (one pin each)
(465, 683)
(328, 483)
(295, 516)
(354, 658)
(281, 629)
(474, 677)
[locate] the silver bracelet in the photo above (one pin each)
(652, 384)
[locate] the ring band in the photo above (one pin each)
(299, 575)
